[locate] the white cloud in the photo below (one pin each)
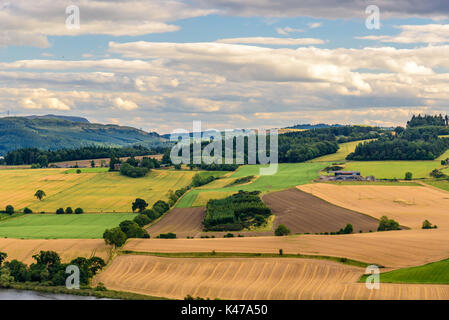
(125, 104)
(286, 30)
(273, 41)
(314, 25)
(428, 33)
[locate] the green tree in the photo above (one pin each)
(43, 160)
(115, 237)
(79, 210)
(40, 194)
(282, 230)
(9, 209)
(92, 164)
(348, 229)
(132, 229)
(3, 257)
(60, 211)
(386, 224)
(69, 210)
(408, 175)
(427, 225)
(142, 220)
(27, 210)
(139, 205)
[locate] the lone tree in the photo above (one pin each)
(282, 230)
(408, 176)
(92, 164)
(9, 209)
(139, 205)
(40, 194)
(115, 237)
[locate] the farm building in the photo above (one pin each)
(347, 175)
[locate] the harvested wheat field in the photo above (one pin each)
(253, 278)
(409, 205)
(98, 162)
(68, 249)
(185, 222)
(395, 249)
(301, 213)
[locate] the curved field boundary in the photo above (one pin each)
(68, 249)
(185, 222)
(395, 249)
(258, 278)
(409, 205)
(304, 213)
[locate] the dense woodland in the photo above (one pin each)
(412, 143)
(428, 120)
(43, 157)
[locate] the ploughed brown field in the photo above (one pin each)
(409, 205)
(395, 249)
(68, 249)
(185, 222)
(86, 163)
(251, 278)
(302, 212)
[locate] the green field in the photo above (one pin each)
(94, 191)
(432, 273)
(340, 155)
(87, 170)
(64, 226)
(393, 169)
(288, 175)
(442, 184)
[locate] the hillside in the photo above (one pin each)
(51, 133)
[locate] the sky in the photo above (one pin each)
(158, 65)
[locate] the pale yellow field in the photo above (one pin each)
(68, 249)
(251, 278)
(94, 191)
(203, 197)
(395, 249)
(345, 149)
(409, 205)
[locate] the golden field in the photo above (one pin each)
(253, 278)
(409, 205)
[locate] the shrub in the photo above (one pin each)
(78, 170)
(69, 210)
(79, 210)
(134, 172)
(408, 176)
(281, 252)
(9, 209)
(386, 224)
(60, 211)
(228, 235)
(132, 229)
(27, 210)
(160, 207)
(169, 235)
(282, 230)
(142, 220)
(427, 225)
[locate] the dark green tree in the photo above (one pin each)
(115, 237)
(139, 205)
(282, 230)
(40, 194)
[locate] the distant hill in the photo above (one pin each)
(314, 126)
(54, 133)
(54, 116)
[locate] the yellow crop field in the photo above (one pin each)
(94, 192)
(395, 249)
(68, 249)
(253, 278)
(409, 205)
(204, 196)
(345, 149)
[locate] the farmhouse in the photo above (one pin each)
(347, 175)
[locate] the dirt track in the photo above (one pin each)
(68, 249)
(252, 278)
(409, 205)
(185, 222)
(391, 249)
(302, 212)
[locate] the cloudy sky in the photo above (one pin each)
(160, 64)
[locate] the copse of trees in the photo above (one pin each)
(281, 230)
(134, 172)
(427, 120)
(386, 224)
(47, 269)
(201, 179)
(43, 157)
(235, 212)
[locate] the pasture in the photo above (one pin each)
(93, 190)
(393, 169)
(408, 205)
(62, 226)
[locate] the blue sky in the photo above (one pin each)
(159, 65)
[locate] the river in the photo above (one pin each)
(13, 294)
